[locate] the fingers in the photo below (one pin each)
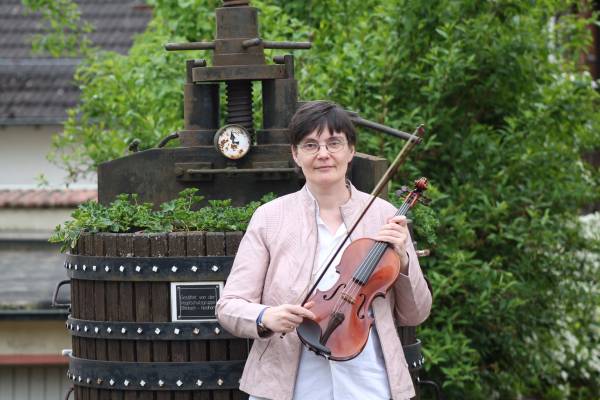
(301, 311)
(285, 318)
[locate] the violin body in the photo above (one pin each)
(347, 338)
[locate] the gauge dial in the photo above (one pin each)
(233, 141)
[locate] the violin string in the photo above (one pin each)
(370, 263)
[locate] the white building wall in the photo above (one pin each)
(23, 151)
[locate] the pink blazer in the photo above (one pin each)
(273, 266)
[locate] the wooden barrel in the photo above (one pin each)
(125, 344)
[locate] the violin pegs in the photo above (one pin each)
(404, 190)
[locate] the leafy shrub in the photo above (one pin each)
(127, 214)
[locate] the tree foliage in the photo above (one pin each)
(509, 112)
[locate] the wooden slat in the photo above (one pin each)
(100, 309)
(86, 297)
(196, 246)
(160, 305)
(126, 305)
(215, 246)
(76, 311)
(143, 307)
(113, 347)
(179, 348)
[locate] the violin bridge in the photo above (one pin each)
(348, 298)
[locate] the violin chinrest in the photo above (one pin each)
(310, 333)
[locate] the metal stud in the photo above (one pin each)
(176, 331)
(122, 268)
(220, 382)
(196, 331)
(111, 382)
(157, 331)
(107, 268)
(75, 267)
(96, 329)
(99, 381)
(194, 268)
(142, 383)
(179, 383)
(415, 364)
(217, 331)
(67, 325)
(154, 268)
(140, 330)
(88, 380)
(161, 383)
(94, 268)
(123, 331)
(138, 268)
(174, 268)
(77, 328)
(126, 382)
(215, 268)
(79, 378)
(198, 383)
(84, 267)
(85, 328)
(108, 330)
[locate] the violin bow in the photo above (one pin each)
(391, 171)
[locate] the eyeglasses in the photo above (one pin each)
(331, 146)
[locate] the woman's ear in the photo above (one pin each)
(295, 155)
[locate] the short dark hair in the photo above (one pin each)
(316, 115)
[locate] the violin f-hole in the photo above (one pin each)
(359, 310)
(343, 285)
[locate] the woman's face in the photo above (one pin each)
(324, 167)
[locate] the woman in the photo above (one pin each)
(287, 243)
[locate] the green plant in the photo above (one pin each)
(127, 214)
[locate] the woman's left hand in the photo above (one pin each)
(395, 232)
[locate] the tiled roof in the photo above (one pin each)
(38, 88)
(45, 198)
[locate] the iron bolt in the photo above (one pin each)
(123, 331)
(176, 331)
(122, 268)
(155, 269)
(198, 382)
(126, 382)
(108, 330)
(138, 268)
(157, 331)
(215, 268)
(94, 268)
(107, 268)
(217, 331)
(174, 268)
(179, 383)
(111, 382)
(139, 331)
(194, 268)
(220, 382)
(142, 383)
(84, 267)
(161, 383)
(196, 331)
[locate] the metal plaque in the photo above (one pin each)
(194, 301)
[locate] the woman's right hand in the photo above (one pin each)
(286, 317)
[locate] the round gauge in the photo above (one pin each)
(233, 141)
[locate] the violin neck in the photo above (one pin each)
(364, 272)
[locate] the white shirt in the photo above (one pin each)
(361, 378)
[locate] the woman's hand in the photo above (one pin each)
(286, 317)
(395, 232)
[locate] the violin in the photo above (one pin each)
(368, 268)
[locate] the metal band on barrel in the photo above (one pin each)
(147, 330)
(123, 375)
(148, 269)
